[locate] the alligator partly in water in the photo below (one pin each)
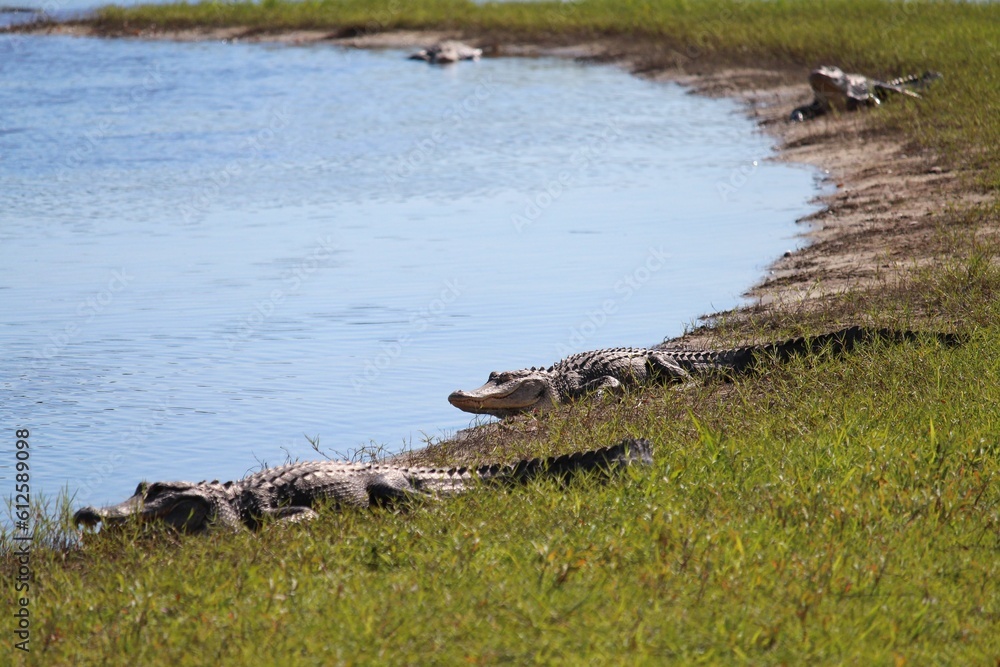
(292, 492)
(448, 51)
(835, 89)
(602, 371)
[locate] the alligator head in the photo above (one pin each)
(182, 505)
(509, 393)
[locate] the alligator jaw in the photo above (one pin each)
(115, 514)
(190, 512)
(504, 399)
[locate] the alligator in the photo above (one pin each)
(597, 372)
(834, 89)
(448, 51)
(293, 492)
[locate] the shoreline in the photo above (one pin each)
(876, 225)
(825, 508)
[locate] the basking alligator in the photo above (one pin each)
(291, 492)
(509, 393)
(833, 89)
(448, 51)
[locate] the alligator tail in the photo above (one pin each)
(845, 340)
(916, 81)
(603, 460)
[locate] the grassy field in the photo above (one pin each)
(836, 510)
(829, 510)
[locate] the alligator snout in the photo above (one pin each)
(88, 516)
(462, 399)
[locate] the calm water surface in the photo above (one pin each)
(212, 250)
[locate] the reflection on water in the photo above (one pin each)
(212, 250)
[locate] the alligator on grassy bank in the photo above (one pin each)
(834, 89)
(448, 51)
(292, 492)
(512, 392)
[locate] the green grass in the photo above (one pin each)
(827, 511)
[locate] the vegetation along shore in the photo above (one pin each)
(824, 510)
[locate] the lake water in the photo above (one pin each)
(212, 250)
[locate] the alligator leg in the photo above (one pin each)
(392, 486)
(663, 368)
(291, 514)
(602, 387)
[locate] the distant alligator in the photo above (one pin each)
(292, 492)
(446, 52)
(512, 392)
(833, 89)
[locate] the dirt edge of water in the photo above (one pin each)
(875, 219)
(877, 222)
